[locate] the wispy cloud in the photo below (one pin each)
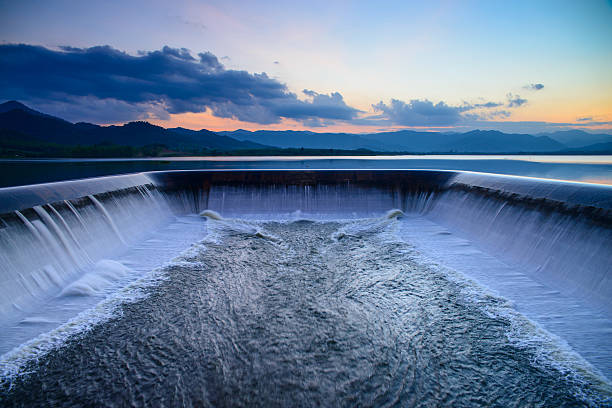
(514, 101)
(487, 105)
(534, 87)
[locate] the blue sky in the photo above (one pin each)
(525, 66)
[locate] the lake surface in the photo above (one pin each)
(590, 169)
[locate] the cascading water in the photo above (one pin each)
(569, 252)
(307, 293)
(44, 248)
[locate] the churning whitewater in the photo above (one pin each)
(309, 313)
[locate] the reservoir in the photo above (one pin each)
(306, 288)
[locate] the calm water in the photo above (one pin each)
(592, 169)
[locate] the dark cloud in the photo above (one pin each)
(320, 106)
(534, 87)
(94, 110)
(421, 112)
(180, 53)
(514, 101)
(170, 79)
(585, 119)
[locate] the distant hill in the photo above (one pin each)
(13, 105)
(308, 140)
(596, 148)
(477, 141)
(218, 141)
(492, 141)
(18, 118)
(578, 138)
(24, 131)
(410, 140)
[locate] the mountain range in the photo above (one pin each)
(21, 125)
(476, 141)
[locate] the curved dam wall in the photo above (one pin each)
(558, 232)
(50, 232)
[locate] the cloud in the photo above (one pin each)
(487, 105)
(171, 79)
(487, 115)
(514, 101)
(94, 110)
(321, 106)
(421, 112)
(418, 112)
(187, 23)
(534, 87)
(589, 121)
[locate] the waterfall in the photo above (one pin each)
(342, 199)
(558, 233)
(566, 250)
(44, 248)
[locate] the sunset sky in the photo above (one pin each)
(358, 66)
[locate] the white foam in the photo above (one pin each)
(211, 214)
(103, 279)
(394, 213)
(575, 324)
(104, 273)
(13, 361)
(47, 249)
(550, 352)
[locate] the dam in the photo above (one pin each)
(306, 288)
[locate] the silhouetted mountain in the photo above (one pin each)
(492, 141)
(410, 140)
(38, 126)
(307, 140)
(578, 138)
(597, 148)
(18, 122)
(18, 118)
(477, 141)
(12, 105)
(218, 141)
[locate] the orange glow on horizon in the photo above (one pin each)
(206, 120)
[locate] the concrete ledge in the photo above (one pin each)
(597, 197)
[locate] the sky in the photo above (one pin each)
(326, 66)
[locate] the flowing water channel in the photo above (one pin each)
(307, 312)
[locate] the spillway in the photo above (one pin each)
(307, 287)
